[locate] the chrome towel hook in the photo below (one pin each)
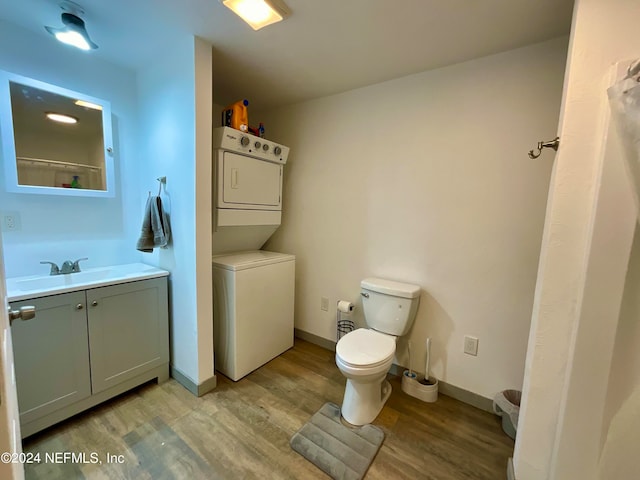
(555, 143)
(163, 181)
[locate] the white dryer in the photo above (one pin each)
(247, 190)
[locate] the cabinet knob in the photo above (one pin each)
(94, 303)
(79, 306)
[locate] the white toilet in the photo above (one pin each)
(365, 355)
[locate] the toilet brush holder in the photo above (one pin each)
(417, 387)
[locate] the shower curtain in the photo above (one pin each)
(624, 99)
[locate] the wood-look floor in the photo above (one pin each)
(241, 430)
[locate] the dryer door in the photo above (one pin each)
(249, 183)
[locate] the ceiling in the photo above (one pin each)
(324, 47)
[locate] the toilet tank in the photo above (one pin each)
(389, 307)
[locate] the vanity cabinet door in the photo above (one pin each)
(51, 355)
(128, 331)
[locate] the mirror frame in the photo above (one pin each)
(9, 148)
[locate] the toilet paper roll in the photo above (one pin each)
(345, 306)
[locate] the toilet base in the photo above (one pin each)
(363, 402)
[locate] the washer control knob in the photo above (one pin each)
(257, 145)
(277, 150)
(265, 147)
(244, 141)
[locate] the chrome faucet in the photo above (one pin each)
(67, 267)
(76, 264)
(54, 268)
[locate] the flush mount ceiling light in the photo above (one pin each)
(61, 118)
(258, 13)
(74, 32)
(83, 103)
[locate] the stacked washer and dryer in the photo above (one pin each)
(253, 290)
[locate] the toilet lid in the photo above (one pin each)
(364, 347)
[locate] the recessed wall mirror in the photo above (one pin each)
(54, 141)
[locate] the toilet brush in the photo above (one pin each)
(425, 389)
(409, 373)
(425, 380)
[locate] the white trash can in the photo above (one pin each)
(507, 405)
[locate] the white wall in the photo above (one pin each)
(203, 65)
(57, 228)
(174, 94)
(425, 179)
(586, 244)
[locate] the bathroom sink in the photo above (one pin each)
(38, 283)
(22, 288)
(89, 275)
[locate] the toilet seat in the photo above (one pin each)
(365, 349)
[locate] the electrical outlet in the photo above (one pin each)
(10, 221)
(470, 345)
(324, 304)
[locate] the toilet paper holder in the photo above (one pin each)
(344, 325)
(345, 306)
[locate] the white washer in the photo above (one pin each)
(253, 295)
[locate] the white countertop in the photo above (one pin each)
(34, 286)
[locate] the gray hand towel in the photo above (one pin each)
(159, 224)
(155, 226)
(145, 242)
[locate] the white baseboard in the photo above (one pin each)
(511, 474)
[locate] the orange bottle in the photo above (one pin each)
(236, 116)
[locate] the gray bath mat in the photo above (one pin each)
(342, 453)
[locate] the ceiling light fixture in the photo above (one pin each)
(74, 32)
(258, 13)
(83, 103)
(61, 118)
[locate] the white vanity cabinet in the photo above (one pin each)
(86, 346)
